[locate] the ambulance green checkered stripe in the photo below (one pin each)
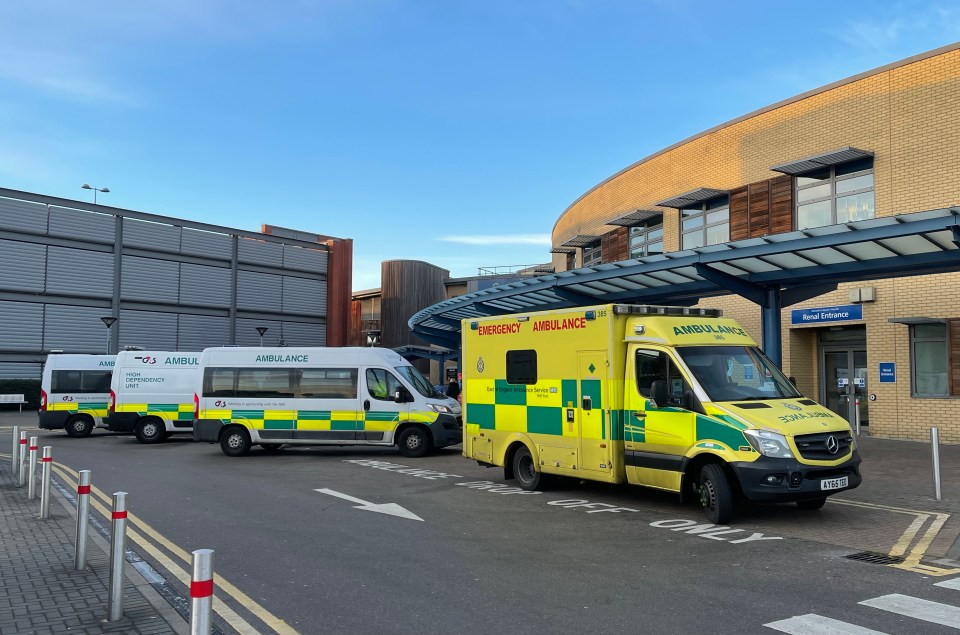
(381, 416)
(739, 425)
(483, 414)
(544, 420)
(247, 414)
(711, 429)
(568, 392)
(184, 416)
(92, 405)
(163, 407)
(313, 415)
(278, 424)
(510, 394)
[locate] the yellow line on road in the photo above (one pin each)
(911, 562)
(272, 621)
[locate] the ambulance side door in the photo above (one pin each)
(656, 435)
(381, 412)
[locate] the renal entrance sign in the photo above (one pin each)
(819, 315)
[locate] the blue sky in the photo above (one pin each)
(437, 130)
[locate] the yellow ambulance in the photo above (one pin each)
(674, 398)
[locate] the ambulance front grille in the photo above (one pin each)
(816, 447)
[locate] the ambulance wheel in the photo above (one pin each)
(79, 426)
(414, 442)
(812, 504)
(149, 430)
(525, 470)
(235, 441)
(715, 494)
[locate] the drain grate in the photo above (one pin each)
(874, 557)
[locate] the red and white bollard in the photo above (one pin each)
(201, 593)
(23, 458)
(118, 539)
(47, 462)
(83, 520)
(32, 476)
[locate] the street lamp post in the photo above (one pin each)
(261, 330)
(108, 322)
(105, 190)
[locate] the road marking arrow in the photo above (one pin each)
(386, 508)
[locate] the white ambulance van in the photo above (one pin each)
(74, 391)
(319, 396)
(151, 394)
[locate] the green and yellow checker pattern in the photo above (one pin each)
(317, 419)
(540, 408)
(166, 411)
(93, 408)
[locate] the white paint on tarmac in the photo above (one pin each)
(917, 608)
(813, 624)
(391, 509)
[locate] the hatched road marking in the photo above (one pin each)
(917, 608)
(813, 624)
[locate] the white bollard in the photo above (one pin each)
(83, 520)
(201, 592)
(47, 462)
(32, 476)
(14, 451)
(118, 539)
(935, 445)
(22, 461)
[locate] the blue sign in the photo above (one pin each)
(827, 314)
(888, 373)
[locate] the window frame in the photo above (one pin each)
(639, 239)
(701, 210)
(594, 251)
(832, 197)
(945, 341)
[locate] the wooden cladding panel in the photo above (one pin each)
(615, 245)
(762, 208)
(781, 204)
(953, 346)
(759, 212)
(739, 214)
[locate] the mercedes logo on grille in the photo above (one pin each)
(832, 444)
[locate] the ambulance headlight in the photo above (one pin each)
(445, 409)
(769, 443)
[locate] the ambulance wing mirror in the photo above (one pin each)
(402, 395)
(658, 391)
(793, 380)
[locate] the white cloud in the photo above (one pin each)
(880, 33)
(508, 239)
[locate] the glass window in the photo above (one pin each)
(591, 255)
(736, 373)
(64, 381)
(522, 367)
(646, 240)
(327, 383)
(416, 379)
(382, 384)
(219, 382)
(96, 381)
(707, 223)
(657, 366)
(928, 353)
(264, 382)
(840, 194)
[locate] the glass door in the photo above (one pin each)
(843, 380)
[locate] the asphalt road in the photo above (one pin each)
(484, 558)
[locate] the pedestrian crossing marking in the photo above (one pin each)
(917, 608)
(953, 583)
(813, 624)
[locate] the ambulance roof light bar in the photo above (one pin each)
(647, 309)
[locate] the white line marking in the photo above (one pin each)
(915, 607)
(391, 509)
(953, 583)
(813, 624)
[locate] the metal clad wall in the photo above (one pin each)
(301, 295)
(300, 334)
(260, 253)
(200, 243)
(79, 272)
(23, 266)
(13, 370)
(406, 286)
(197, 332)
(258, 291)
(149, 279)
(22, 325)
(74, 329)
(247, 332)
(152, 330)
(23, 216)
(75, 223)
(204, 286)
(302, 259)
(157, 236)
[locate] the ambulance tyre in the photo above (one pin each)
(525, 471)
(150, 430)
(235, 441)
(715, 494)
(79, 426)
(414, 442)
(812, 504)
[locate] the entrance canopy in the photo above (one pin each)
(774, 271)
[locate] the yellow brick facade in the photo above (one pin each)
(908, 115)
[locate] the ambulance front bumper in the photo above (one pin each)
(769, 480)
(53, 419)
(447, 430)
(207, 430)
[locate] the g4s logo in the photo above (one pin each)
(67, 398)
(220, 403)
(148, 360)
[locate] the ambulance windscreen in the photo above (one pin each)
(736, 373)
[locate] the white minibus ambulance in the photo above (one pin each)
(151, 394)
(320, 396)
(74, 390)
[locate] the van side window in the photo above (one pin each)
(327, 383)
(522, 367)
(219, 382)
(96, 381)
(65, 381)
(382, 384)
(264, 382)
(657, 365)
